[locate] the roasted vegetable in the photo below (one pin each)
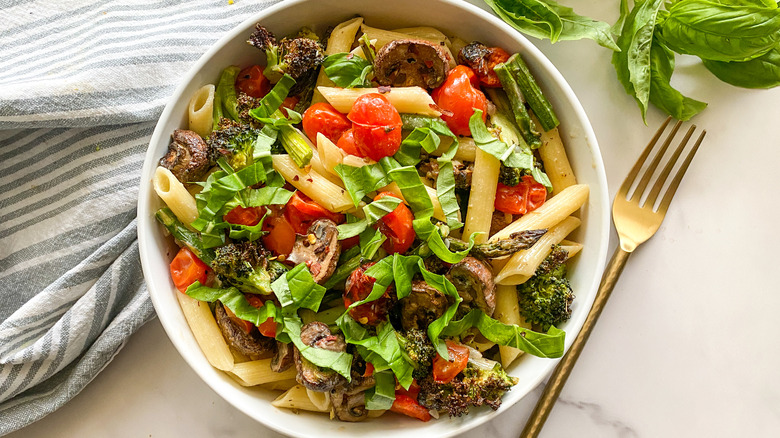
(417, 350)
(501, 247)
(249, 343)
(475, 386)
(545, 299)
(411, 63)
(234, 141)
(474, 281)
(298, 57)
(188, 156)
(243, 265)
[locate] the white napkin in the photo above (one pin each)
(81, 84)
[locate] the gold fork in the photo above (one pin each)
(636, 220)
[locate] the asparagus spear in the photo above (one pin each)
(226, 90)
(531, 92)
(499, 248)
(342, 272)
(512, 102)
(184, 236)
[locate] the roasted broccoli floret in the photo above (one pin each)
(545, 299)
(235, 141)
(276, 270)
(298, 57)
(419, 351)
(245, 266)
(510, 176)
(475, 386)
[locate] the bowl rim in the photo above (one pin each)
(146, 217)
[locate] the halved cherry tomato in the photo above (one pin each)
(268, 327)
(376, 126)
(446, 370)
(522, 198)
(252, 82)
(369, 370)
(301, 211)
(406, 405)
(281, 235)
(357, 287)
(484, 66)
(397, 226)
(459, 95)
(322, 117)
(244, 216)
(289, 102)
(187, 268)
(347, 143)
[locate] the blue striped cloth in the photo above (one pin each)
(81, 85)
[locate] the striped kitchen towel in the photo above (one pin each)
(81, 85)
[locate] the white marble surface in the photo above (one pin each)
(686, 346)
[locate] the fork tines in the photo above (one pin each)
(648, 200)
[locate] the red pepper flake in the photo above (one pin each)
(296, 178)
(309, 180)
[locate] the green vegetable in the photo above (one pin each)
(348, 71)
(511, 100)
(415, 193)
(243, 265)
(297, 145)
(431, 235)
(382, 395)
(184, 235)
(532, 92)
(226, 90)
(298, 290)
(761, 72)
(720, 30)
(546, 19)
(477, 387)
(236, 141)
(234, 299)
(662, 94)
(545, 299)
(297, 57)
(370, 242)
(361, 180)
(373, 212)
(418, 351)
(273, 100)
(343, 271)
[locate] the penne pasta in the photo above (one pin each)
(314, 185)
(296, 398)
(467, 149)
(200, 110)
(207, 334)
(257, 372)
(438, 213)
(522, 265)
(556, 163)
(330, 155)
(319, 166)
(484, 181)
(508, 312)
(573, 248)
(341, 39)
(550, 213)
(175, 195)
(321, 400)
(412, 100)
(281, 385)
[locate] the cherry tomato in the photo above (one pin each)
(397, 226)
(245, 216)
(446, 370)
(483, 67)
(301, 211)
(186, 268)
(281, 235)
(406, 405)
(460, 96)
(376, 126)
(347, 143)
(322, 117)
(268, 327)
(358, 286)
(369, 370)
(522, 198)
(252, 82)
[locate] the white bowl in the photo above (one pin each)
(454, 18)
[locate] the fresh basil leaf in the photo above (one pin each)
(722, 31)
(437, 327)
(362, 180)
(234, 300)
(548, 344)
(373, 212)
(382, 395)
(430, 234)
(761, 72)
(347, 70)
(273, 100)
(415, 193)
(546, 19)
(298, 290)
(249, 232)
(632, 63)
(352, 228)
(662, 94)
(370, 242)
(445, 191)
(510, 155)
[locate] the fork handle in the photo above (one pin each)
(561, 374)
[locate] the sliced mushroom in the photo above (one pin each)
(408, 63)
(474, 281)
(349, 399)
(423, 305)
(284, 357)
(318, 335)
(188, 156)
(252, 344)
(319, 249)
